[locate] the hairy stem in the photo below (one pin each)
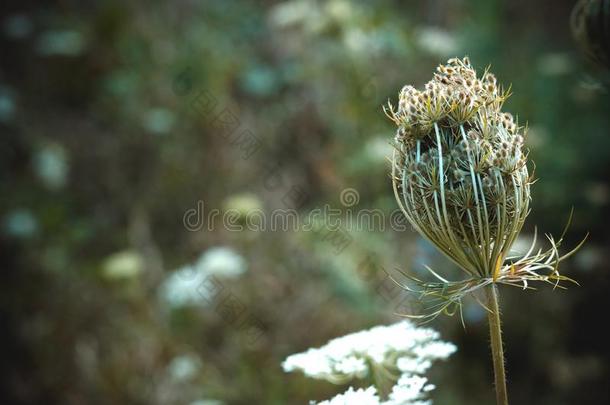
(497, 351)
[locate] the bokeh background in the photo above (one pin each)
(122, 122)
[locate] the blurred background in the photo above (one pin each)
(125, 125)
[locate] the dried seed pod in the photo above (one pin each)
(461, 178)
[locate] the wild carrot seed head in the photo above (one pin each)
(462, 174)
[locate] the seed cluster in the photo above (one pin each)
(460, 167)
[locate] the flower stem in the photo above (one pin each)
(497, 351)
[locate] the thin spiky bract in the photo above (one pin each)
(460, 176)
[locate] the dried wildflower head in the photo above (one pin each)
(461, 178)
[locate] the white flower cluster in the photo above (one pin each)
(181, 288)
(401, 349)
(410, 390)
(351, 396)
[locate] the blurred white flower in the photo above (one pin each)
(51, 166)
(293, 12)
(555, 64)
(159, 121)
(7, 104)
(437, 41)
(312, 16)
(62, 43)
(221, 261)
(184, 367)
(340, 10)
(21, 223)
(181, 287)
(245, 205)
(379, 150)
(356, 39)
(123, 265)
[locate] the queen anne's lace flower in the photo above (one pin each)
(410, 390)
(351, 397)
(349, 356)
(402, 350)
